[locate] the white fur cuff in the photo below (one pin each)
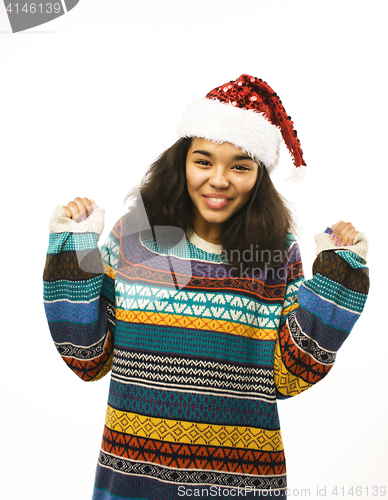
(360, 245)
(59, 223)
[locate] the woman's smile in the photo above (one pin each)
(216, 201)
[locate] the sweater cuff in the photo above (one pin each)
(360, 245)
(59, 223)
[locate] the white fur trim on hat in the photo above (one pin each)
(222, 122)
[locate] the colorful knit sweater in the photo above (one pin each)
(198, 357)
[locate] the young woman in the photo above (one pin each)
(201, 309)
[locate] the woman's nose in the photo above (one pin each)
(218, 179)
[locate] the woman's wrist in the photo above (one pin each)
(60, 223)
(325, 241)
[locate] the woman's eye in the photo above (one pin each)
(240, 167)
(203, 162)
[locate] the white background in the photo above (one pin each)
(87, 102)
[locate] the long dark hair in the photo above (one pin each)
(260, 227)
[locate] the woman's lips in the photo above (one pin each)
(217, 201)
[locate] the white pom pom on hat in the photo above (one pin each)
(248, 114)
(298, 174)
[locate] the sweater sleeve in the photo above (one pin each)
(318, 313)
(78, 292)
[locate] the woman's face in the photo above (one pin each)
(220, 181)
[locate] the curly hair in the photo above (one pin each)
(262, 224)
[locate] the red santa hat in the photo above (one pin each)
(248, 114)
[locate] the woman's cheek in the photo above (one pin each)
(195, 179)
(244, 186)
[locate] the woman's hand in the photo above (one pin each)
(343, 233)
(80, 208)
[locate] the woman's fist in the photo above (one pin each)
(80, 208)
(343, 233)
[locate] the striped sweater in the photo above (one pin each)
(198, 357)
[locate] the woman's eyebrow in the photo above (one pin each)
(235, 158)
(242, 157)
(202, 152)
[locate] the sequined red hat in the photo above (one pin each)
(248, 114)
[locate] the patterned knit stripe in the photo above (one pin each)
(133, 253)
(79, 250)
(334, 267)
(108, 289)
(259, 395)
(70, 242)
(308, 344)
(110, 251)
(295, 274)
(213, 345)
(290, 243)
(186, 456)
(327, 337)
(294, 262)
(66, 266)
(183, 250)
(330, 314)
(354, 260)
(64, 289)
(106, 368)
(297, 361)
(81, 352)
(287, 311)
(96, 368)
(223, 306)
(163, 278)
(84, 335)
(198, 323)
(72, 312)
(180, 373)
(137, 472)
(109, 271)
(190, 405)
(292, 292)
(77, 303)
(335, 292)
(186, 432)
(287, 383)
(87, 334)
